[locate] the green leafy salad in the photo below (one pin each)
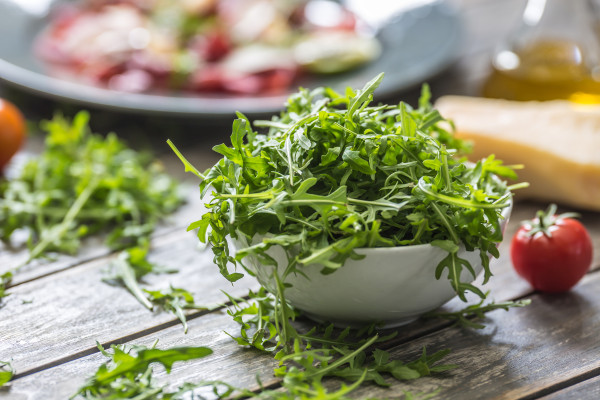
(334, 173)
(83, 183)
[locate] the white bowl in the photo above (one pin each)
(391, 285)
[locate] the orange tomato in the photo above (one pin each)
(12, 131)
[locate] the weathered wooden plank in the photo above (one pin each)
(588, 389)
(520, 354)
(229, 361)
(504, 285)
(71, 309)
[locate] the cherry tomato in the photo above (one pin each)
(12, 131)
(552, 252)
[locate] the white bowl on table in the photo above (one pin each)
(391, 286)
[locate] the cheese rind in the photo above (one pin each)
(557, 141)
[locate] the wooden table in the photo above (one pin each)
(58, 310)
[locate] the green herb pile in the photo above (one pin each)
(82, 184)
(334, 173)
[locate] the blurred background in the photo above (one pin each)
(465, 47)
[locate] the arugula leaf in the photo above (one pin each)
(5, 280)
(6, 372)
(469, 315)
(128, 373)
(127, 269)
(131, 266)
(175, 301)
(363, 96)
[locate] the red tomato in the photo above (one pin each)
(12, 131)
(552, 252)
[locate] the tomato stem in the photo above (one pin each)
(544, 220)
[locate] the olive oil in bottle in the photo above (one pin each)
(554, 55)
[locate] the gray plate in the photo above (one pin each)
(417, 44)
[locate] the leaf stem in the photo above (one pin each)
(61, 229)
(458, 201)
(188, 166)
(445, 222)
(127, 275)
(30, 208)
(342, 360)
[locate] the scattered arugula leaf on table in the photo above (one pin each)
(128, 373)
(321, 351)
(176, 300)
(131, 265)
(469, 315)
(5, 279)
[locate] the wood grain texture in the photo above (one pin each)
(520, 354)
(588, 389)
(56, 338)
(71, 309)
(229, 362)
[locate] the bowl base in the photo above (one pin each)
(340, 323)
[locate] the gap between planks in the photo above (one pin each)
(92, 350)
(94, 248)
(108, 254)
(591, 374)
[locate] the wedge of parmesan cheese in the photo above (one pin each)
(557, 141)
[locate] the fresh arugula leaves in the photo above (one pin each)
(5, 279)
(319, 353)
(354, 356)
(176, 300)
(6, 372)
(334, 173)
(469, 315)
(130, 267)
(128, 373)
(81, 184)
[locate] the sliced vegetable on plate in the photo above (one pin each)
(224, 46)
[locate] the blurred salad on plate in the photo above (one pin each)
(211, 58)
(245, 47)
